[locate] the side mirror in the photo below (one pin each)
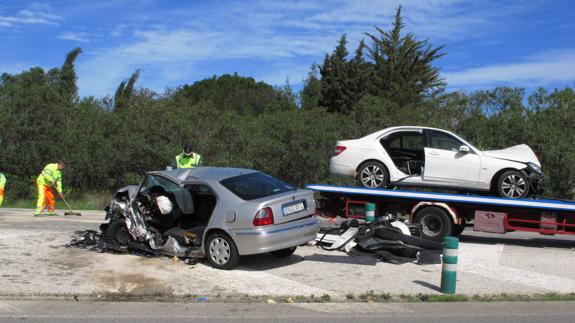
(464, 149)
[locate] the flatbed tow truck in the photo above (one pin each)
(441, 214)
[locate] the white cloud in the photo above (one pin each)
(35, 14)
(545, 68)
(79, 37)
(284, 37)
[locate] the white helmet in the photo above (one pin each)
(164, 204)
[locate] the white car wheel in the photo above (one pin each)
(373, 175)
(513, 184)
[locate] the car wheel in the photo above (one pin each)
(513, 184)
(117, 235)
(284, 252)
(373, 175)
(435, 223)
(222, 252)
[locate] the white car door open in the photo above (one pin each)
(444, 162)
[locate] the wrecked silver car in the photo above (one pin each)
(218, 213)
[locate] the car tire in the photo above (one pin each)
(373, 175)
(282, 253)
(513, 184)
(435, 223)
(117, 235)
(221, 251)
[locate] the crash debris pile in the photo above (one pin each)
(390, 240)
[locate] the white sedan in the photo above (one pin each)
(428, 157)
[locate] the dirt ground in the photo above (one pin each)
(35, 262)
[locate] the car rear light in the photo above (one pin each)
(338, 150)
(264, 216)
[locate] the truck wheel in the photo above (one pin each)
(373, 175)
(513, 184)
(435, 223)
(458, 228)
(222, 252)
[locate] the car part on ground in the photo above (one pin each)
(428, 157)
(390, 240)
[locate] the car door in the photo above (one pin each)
(445, 163)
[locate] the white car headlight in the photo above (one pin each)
(533, 167)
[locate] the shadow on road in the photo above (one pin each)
(265, 262)
(368, 260)
(428, 285)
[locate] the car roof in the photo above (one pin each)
(413, 128)
(203, 173)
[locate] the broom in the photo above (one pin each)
(70, 212)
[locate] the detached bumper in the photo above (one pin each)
(276, 237)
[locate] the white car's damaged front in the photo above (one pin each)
(522, 176)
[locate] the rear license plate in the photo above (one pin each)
(293, 207)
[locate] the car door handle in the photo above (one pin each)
(433, 154)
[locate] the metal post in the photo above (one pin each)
(369, 212)
(449, 268)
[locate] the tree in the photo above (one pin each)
(336, 90)
(311, 92)
(126, 91)
(403, 70)
(67, 84)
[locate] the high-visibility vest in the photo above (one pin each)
(51, 176)
(2, 180)
(183, 161)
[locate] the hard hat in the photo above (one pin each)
(164, 204)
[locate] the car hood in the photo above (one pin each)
(520, 153)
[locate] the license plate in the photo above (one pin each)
(293, 207)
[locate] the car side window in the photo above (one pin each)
(407, 140)
(153, 180)
(443, 141)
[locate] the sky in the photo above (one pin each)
(488, 43)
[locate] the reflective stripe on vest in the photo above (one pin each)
(182, 161)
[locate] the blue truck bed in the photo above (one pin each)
(543, 204)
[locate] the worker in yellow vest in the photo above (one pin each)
(188, 158)
(2, 184)
(49, 180)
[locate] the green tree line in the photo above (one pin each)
(388, 80)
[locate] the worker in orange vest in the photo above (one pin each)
(49, 180)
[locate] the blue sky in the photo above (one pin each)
(489, 43)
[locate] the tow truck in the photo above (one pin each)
(443, 214)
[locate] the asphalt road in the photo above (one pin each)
(143, 312)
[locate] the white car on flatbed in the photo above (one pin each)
(428, 157)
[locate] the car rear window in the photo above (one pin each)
(256, 185)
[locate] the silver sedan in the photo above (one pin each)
(218, 213)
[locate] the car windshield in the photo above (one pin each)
(256, 185)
